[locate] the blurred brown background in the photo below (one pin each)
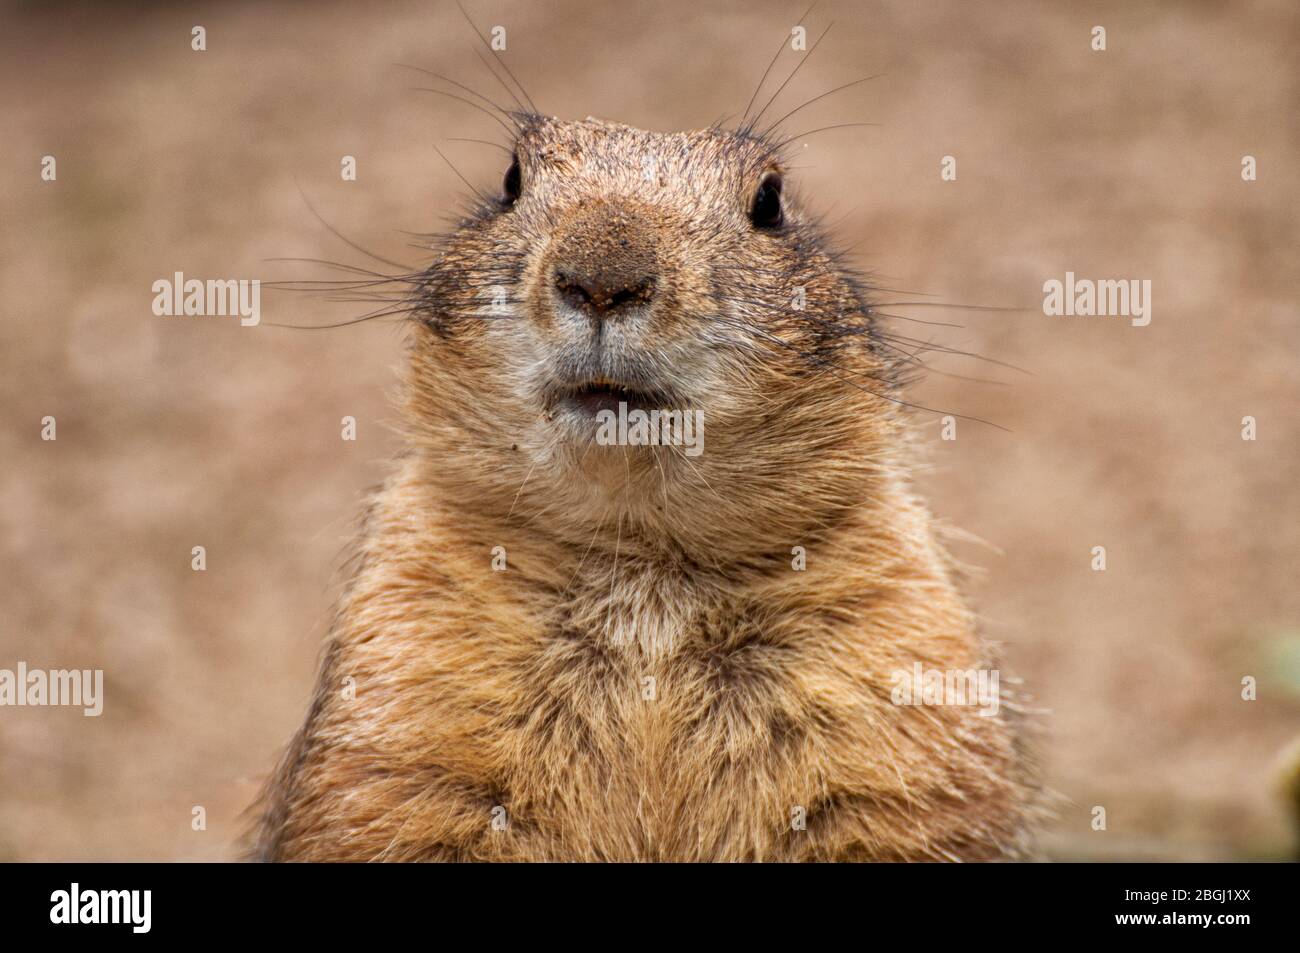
(176, 432)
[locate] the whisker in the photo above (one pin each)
(823, 365)
(812, 132)
(467, 182)
(903, 317)
(340, 236)
(468, 102)
(794, 72)
(447, 79)
(767, 72)
(306, 286)
(510, 92)
(911, 357)
(829, 92)
(340, 324)
(930, 346)
(482, 142)
(503, 63)
(962, 307)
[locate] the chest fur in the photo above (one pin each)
(665, 720)
(615, 710)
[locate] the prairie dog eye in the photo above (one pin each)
(510, 187)
(766, 210)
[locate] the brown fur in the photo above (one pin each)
(525, 689)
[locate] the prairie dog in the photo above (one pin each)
(567, 648)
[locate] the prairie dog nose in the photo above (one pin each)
(605, 261)
(605, 295)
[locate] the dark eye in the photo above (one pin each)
(510, 187)
(766, 211)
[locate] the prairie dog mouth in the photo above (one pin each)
(591, 397)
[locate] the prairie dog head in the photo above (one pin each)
(624, 271)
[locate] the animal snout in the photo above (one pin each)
(606, 294)
(606, 262)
